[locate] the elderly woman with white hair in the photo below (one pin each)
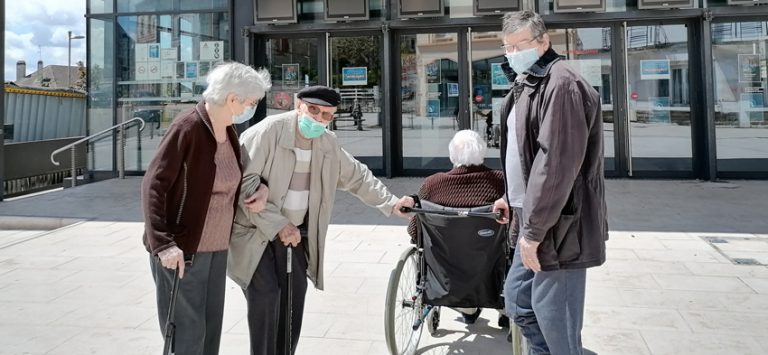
(189, 199)
(469, 184)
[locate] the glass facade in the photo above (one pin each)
(409, 85)
(163, 61)
(741, 117)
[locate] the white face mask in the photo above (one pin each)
(520, 61)
(245, 115)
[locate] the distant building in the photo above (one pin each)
(51, 76)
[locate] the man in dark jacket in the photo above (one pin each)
(552, 154)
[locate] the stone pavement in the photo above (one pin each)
(669, 286)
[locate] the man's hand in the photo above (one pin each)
(501, 205)
(258, 201)
(405, 201)
(172, 258)
(289, 235)
(528, 249)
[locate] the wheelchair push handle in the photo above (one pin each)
(492, 215)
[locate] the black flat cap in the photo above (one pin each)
(319, 95)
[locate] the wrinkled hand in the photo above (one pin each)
(405, 201)
(258, 201)
(501, 205)
(528, 249)
(289, 235)
(172, 258)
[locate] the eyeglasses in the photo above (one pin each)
(509, 48)
(314, 110)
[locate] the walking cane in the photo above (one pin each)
(289, 301)
(170, 327)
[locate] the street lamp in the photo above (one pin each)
(69, 57)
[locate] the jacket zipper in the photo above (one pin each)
(183, 196)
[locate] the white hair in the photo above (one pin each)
(238, 79)
(467, 148)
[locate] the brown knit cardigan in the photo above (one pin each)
(463, 186)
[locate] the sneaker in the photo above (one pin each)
(471, 318)
(503, 321)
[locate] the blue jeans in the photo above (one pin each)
(548, 306)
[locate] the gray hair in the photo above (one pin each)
(518, 20)
(467, 148)
(238, 79)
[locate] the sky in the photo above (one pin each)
(37, 29)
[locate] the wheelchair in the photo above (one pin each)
(460, 260)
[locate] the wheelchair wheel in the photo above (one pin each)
(403, 306)
(433, 320)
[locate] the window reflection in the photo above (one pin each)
(741, 118)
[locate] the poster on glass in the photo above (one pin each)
(749, 68)
(498, 78)
(291, 75)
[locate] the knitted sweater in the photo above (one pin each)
(463, 186)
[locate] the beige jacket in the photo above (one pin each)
(267, 151)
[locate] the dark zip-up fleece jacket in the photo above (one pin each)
(559, 130)
(177, 187)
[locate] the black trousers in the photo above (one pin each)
(267, 298)
(199, 303)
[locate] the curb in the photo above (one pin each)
(35, 223)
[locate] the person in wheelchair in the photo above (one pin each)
(469, 184)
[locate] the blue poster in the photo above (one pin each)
(655, 69)
(498, 78)
(433, 108)
(752, 103)
(354, 76)
(453, 89)
(660, 110)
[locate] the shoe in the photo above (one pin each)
(503, 321)
(471, 318)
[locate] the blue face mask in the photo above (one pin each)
(520, 61)
(310, 128)
(245, 116)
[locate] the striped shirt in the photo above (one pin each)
(297, 200)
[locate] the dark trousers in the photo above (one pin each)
(548, 306)
(199, 302)
(267, 298)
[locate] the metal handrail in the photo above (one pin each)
(121, 143)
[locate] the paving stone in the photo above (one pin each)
(680, 256)
(702, 283)
(676, 343)
(738, 323)
(606, 341)
(728, 270)
(112, 341)
(329, 346)
(759, 285)
(634, 318)
(34, 339)
(671, 299)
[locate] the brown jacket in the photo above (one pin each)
(177, 187)
(463, 186)
(560, 139)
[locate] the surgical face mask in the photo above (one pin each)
(520, 61)
(245, 116)
(310, 128)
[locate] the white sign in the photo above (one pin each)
(142, 52)
(212, 50)
(169, 54)
(142, 71)
(168, 70)
(590, 69)
(153, 70)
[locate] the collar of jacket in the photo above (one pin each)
(202, 114)
(539, 69)
(464, 169)
(288, 140)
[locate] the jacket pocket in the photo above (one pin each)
(566, 238)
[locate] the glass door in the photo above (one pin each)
(658, 134)
(489, 87)
(293, 64)
(355, 72)
(430, 98)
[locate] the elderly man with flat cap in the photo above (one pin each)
(303, 166)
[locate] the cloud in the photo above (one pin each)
(37, 29)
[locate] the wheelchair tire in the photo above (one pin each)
(401, 309)
(433, 320)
